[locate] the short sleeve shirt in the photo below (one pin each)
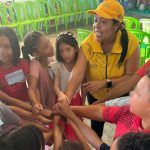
(102, 66)
(125, 120)
(142, 71)
(7, 117)
(13, 80)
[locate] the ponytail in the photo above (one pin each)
(31, 41)
(25, 53)
(124, 42)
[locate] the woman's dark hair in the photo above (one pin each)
(26, 137)
(67, 38)
(71, 145)
(31, 41)
(11, 35)
(124, 42)
(134, 141)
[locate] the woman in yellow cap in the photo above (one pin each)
(108, 56)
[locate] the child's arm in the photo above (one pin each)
(13, 101)
(27, 114)
(57, 133)
(34, 94)
(93, 139)
(79, 135)
(59, 93)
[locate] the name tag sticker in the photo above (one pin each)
(15, 77)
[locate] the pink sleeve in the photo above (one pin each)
(25, 66)
(34, 68)
(142, 71)
(113, 114)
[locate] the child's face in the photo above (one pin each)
(67, 53)
(140, 98)
(45, 48)
(6, 52)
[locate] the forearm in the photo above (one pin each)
(122, 88)
(118, 80)
(15, 102)
(93, 112)
(33, 95)
(73, 84)
(93, 139)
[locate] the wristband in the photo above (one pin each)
(108, 83)
(104, 147)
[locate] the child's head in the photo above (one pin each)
(37, 44)
(66, 47)
(70, 145)
(132, 141)
(9, 46)
(140, 98)
(26, 137)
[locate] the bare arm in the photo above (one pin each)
(63, 109)
(13, 101)
(32, 90)
(93, 112)
(77, 75)
(122, 88)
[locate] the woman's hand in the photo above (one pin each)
(62, 108)
(37, 108)
(94, 86)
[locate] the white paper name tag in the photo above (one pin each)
(15, 77)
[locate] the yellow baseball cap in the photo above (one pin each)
(109, 9)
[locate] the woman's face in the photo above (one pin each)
(6, 52)
(45, 48)
(104, 29)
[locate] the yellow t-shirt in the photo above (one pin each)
(101, 66)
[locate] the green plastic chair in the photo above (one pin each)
(34, 15)
(82, 34)
(145, 25)
(142, 36)
(5, 22)
(91, 4)
(131, 23)
(147, 51)
(45, 13)
(22, 18)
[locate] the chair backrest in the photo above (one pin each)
(32, 10)
(145, 25)
(43, 8)
(141, 35)
(6, 15)
(82, 34)
(54, 7)
(19, 11)
(131, 23)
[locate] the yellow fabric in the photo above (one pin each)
(109, 9)
(97, 59)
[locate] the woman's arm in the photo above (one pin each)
(77, 75)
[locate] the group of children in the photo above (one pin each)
(31, 88)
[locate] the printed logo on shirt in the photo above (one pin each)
(14, 77)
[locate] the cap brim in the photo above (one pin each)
(101, 14)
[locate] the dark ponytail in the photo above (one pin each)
(124, 41)
(31, 41)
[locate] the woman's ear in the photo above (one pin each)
(117, 26)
